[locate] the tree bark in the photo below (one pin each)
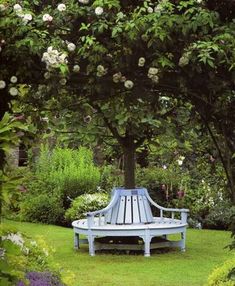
(129, 163)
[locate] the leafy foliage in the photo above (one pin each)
(223, 275)
(86, 203)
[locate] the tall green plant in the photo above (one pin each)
(71, 171)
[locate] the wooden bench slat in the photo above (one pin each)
(148, 210)
(128, 212)
(121, 210)
(135, 205)
(143, 218)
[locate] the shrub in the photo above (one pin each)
(71, 171)
(20, 255)
(219, 216)
(223, 275)
(163, 184)
(42, 208)
(86, 203)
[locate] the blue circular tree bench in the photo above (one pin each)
(129, 215)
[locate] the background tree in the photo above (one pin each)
(118, 60)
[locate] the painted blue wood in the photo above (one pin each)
(129, 214)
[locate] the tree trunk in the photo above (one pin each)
(129, 163)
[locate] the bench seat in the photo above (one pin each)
(129, 214)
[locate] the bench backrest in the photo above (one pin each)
(131, 207)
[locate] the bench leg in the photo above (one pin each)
(183, 239)
(76, 240)
(91, 240)
(147, 239)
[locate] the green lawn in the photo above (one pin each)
(205, 250)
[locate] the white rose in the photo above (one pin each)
(155, 78)
(2, 84)
(199, 1)
(128, 84)
(117, 77)
(99, 11)
(2, 7)
(13, 91)
(61, 7)
(152, 71)
(47, 18)
(13, 79)
(63, 81)
(150, 10)
(17, 8)
(180, 162)
(71, 47)
(28, 17)
(76, 68)
(141, 62)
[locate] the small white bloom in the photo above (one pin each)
(27, 18)
(17, 7)
(61, 7)
(47, 18)
(152, 71)
(141, 62)
(199, 1)
(128, 84)
(117, 77)
(2, 7)
(76, 68)
(155, 78)
(63, 81)
(83, 1)
(99, 11)
(158, 8)
(180, 162)
(13, 79)
(150, 10)
(13, 91)
(71, 47)
(15, 238)
(2, 84)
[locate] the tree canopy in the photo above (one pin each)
(127, 65)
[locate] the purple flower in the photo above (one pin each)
(41, 279)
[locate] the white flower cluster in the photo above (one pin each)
(180, 160)
(99, 11)
(152, 74)
(118, 77)
(47, 18)
(141, 62)
(13, 90)
(61, 7)
(150, 10)
(101, 71)
(53, 58)
(128, 84)
(16, 238)
(19, 11)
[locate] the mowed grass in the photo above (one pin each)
(205, 250)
